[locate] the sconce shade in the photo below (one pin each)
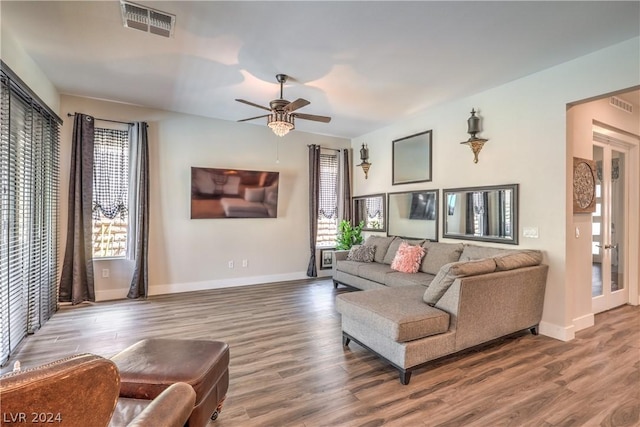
(473, 124)
(473, 127)
(364, 157)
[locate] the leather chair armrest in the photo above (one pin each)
(171, 408)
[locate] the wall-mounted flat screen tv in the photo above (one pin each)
(233, 193)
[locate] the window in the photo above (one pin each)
(110, 192)
(29, 170)
(328, 201)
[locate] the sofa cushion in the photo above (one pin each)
(395, 244)
(361, 253)
(408, 257)
(398, 279)
(374, 271)
(381, 244)
(350, 267)
(518, 259)
(397, 313)
(471, 252)
(439, 254)
(254, 194)
(450, 272)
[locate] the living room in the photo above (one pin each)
(532, 141)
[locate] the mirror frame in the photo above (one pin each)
(404, 148)
(422, 232)
(513, 240)
(356, 219)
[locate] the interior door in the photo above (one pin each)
(609, 229)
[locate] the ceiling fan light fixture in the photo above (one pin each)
(280, 123)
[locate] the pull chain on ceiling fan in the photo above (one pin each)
(282, 115)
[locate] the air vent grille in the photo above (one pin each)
(621, 104)
(147, 19)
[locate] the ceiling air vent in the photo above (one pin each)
(147, 19)
(621, 104)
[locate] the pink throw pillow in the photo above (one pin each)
(408, 258)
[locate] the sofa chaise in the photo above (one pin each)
(460, 296)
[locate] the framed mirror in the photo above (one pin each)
(482, 213)
(412, 159)
(371, 210)
(413, 214)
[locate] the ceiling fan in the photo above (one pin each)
(282, 112)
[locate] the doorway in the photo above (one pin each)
(610, 224)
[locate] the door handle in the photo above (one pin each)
(608, 246)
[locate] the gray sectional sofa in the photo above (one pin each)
(462, 296)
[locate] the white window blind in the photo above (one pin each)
(328, 201)
(110, 192)
(29, 171)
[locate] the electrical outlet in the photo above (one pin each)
(105, 273)
(245, 263)
(230, 264)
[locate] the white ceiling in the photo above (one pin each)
(366, 64)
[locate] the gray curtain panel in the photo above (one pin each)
(76, 281)
(314, 194)
(347, 211)
(139, 200)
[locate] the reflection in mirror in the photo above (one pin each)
(413, 214)
(482, 213)
(371, 210)
(412, 159)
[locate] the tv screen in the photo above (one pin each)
(423, 206)
(233, 193)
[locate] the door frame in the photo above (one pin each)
(605, 135)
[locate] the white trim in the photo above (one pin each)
(111, 294)
(562, 333)
(173, 288)
(176, 288)
(584, 322)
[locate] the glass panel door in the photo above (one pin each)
(609, 224)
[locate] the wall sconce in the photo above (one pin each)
(364, 156)
(474, 142)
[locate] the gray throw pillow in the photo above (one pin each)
(450, 272)
(361, 253)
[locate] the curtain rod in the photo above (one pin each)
(103, 120)
(325, 148)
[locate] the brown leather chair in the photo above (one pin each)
(83, 390)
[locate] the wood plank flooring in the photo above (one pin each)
(288, 366)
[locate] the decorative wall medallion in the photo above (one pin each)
(584, 185)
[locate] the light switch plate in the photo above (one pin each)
(531, 232)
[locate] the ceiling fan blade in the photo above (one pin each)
(252, 104)
(298, 103)
(253, 118)
(323, 119)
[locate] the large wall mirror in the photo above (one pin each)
(412, 159)
(413, 214)
(482, 213)
(371, 210)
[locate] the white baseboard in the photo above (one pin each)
(111, 294)
(584, 322)
(562, 333)
(174, 288)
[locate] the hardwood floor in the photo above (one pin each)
(288, 366)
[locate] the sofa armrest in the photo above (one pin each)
(171, 408)
(488, 306)
(338, 255)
